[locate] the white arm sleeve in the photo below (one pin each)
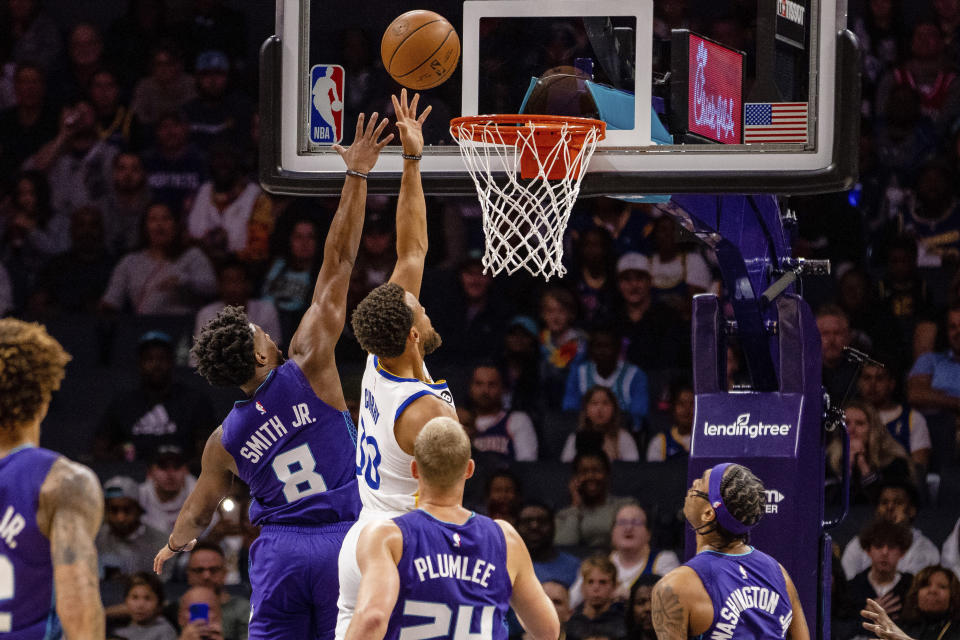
(656, 448)
(524, 436)
(919, 433)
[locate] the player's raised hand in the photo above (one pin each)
(880, 623)
(409, 124)
(166, 553)
(362, 155)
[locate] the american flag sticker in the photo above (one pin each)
(774, 122)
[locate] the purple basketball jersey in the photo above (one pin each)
(749, 594)
(295, 452)
(26, 571)
(453, 579)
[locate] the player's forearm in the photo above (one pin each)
(928, 398)
(78, 592)
(411, 214)
(343, 238)
(194, 518)
(368, 624)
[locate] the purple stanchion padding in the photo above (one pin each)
(775, 429)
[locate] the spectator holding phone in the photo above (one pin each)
(199, 615)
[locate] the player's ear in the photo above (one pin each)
(414, 335)
(413, 469)
(471, 467)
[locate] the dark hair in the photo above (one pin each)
(536, 504)
(32, 366)
(146, 579)
(382, 321)
(41, 191)
(584, 423)
(503, 473)
(743, 495)
(591, 453)
(911, 605)
(832, 310)
(224, 349)
(177, 247)
(645, 580)
(882, 532)
(207, 545)
(677, 387)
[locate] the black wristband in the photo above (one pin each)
(407, 156)
(357, 174)
(177, 550)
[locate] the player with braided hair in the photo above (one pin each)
(728, 589)
(292, 439)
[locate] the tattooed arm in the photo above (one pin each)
(70, 514)
(670, 615)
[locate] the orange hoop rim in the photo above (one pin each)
(508, 127)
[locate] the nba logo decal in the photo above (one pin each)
(456, 539)
(326, 104)
(260, 408)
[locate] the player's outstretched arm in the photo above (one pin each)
(798, 626)
(880, 623)
(70, 513)
(671, 616)
(313, 342)
(531, 604)
(411, 205)
(378, 551)
(217, 468)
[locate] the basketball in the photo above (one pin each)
(420, 49)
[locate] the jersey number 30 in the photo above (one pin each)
(368, 458)
(440, 627)
(296, 470)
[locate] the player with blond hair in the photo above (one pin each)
(50, 507)
(444, 569)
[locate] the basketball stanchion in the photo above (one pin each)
(527, 170)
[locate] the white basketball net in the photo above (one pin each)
(523, 219)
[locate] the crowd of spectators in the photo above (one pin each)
(128, 193)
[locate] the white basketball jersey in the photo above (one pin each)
(383, 468)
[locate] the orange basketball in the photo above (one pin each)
(420, 49)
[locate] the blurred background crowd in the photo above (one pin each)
(130, 214)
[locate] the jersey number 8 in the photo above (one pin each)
(296, 470)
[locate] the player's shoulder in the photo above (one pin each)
(682, 581)
(424, 407)
(71, 486)
(69, 477)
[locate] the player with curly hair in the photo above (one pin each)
(728, 589)
(50, 507)
(398, 394)
(292, 439)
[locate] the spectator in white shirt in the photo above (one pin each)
(897, 503)
(166, 488)
(498, 429)
(223, 206)
(233, 281)
(632, 554)
(950, 556)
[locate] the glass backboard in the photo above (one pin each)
(698, 96)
